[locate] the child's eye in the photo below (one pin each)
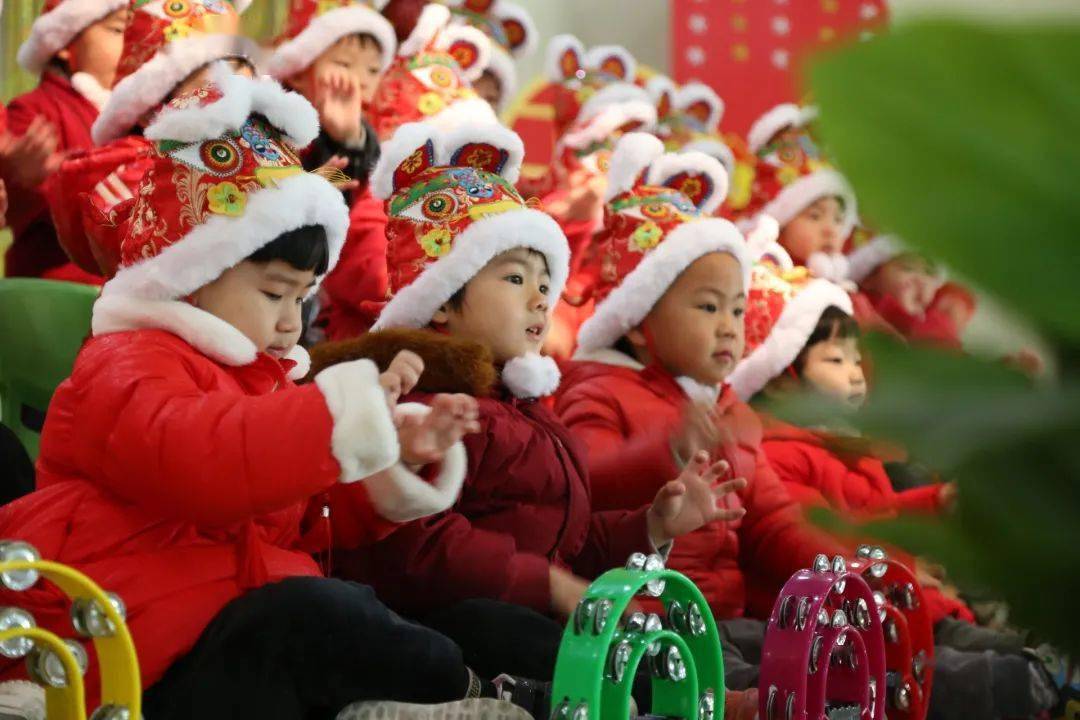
(835, 360)
(739, 312)
(544, 289)
(300, 300)
(272, 296)
(708, 307)
(516, 279)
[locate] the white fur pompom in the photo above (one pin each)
(531, 376)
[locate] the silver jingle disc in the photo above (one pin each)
(677, 616)
(581, 712)
(839, 619)
(879, 598)
(674, 666)
(635, 622)
(695, 620)
(111, 712)
(802, 613)
(873, 692)
(822, 617)
(655, 588)
(863, 551)
(821, 563)
(906, 597)
(584, 614)
(45, 666)
(18, 551)
(561, 711)
(815, 653)
(785, 616)
(838, 565)
(653, 623)
(620, 658)
(89, 618)
(892, 633)
(12, 618)
(878, 569)
(902, 697)
(601, 615)
(918, 666)
(789, 711)
(636, 562)
(770, 703)
(653, 563)
(862, 614)
(840, 586)
(707, 706)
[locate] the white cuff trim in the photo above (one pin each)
(364, 440)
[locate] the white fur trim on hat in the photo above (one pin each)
(433, 18)
(448, 36)
(222, 241)
(502, 66)
(150, 85)
(693, 92)
(639, 291)
(54, 31)
(659, 84)
(785, 114)
(415, 304)
(288, 111)
(595, 57)
(411, 136)
(401, 496)
(297, 54)
(617, 93)
(364, 440)
(607, 121)
(669, 165)
(511, 11)
(867, 258)
(787, 338)
(715, 148)
(633, 154)
(556, 47)
(462, 113)
(531, 376)
(808, 189)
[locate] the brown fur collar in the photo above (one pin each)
(451, 365)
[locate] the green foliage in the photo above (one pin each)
(960, 139)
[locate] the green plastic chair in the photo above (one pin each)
(42, 326)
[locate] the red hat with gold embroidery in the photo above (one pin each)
(164, 43)
(59, 23)
(452, 207)
(511, 31)
(314, 25)
(782, 309)
(430, 78)
(656, 225)
(225, 180)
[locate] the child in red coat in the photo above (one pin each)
(74, 45)
(182, 469)
(475, 272)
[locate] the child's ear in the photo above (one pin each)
(636, 336)
(441, 316)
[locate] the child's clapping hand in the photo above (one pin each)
(690, 501)
(31, 157)
(426, 438)
(340, 105)
(402, 375)
(698, 430)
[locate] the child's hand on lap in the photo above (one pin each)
(426, 438)
(567, 590)
(690, 501)
(697, 431)
(340, 105)
(402, 375)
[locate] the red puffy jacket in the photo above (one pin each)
(35, 251)
(624, 414)
(525, 504)
(179, 482)
(815, 472)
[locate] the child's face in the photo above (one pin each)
(359, 56)
(908, 280)
(96, 50)
(489, 89)
(261, 300)
(504, 307)
(818, 228)
(697, 327)
(833, 368)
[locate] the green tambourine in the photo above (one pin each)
(604, 645)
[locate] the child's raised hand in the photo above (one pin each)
(699, 430)
(402, 375)
(340, 104)
(425, 439)
(690, 501)
(31, 157)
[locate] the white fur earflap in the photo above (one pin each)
(415, 304)
(303, 362)
(800, 194)
(613, 60)
(149, 86)
(557, 47)
(53, 31)
(659, 85)
(400, 496)
(468, 111)
(617, 93)
(716, 148)
(207, 333)
(433, 18)
(502, 66)
(633, 154)
(288, 111)
(474, 37)
(867, 258)
(773, 121)
(641, 115)
(695, 92)
(297, 54)
(765, 232)
(364, 440)
(631, 301)
(531, 376)
(222, 241)
(787, 338)
(511, 12)
(87, 85)
(831, 266)
(669, 165)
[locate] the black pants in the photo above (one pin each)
(498, 637)
(304, 648)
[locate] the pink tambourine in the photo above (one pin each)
(824, 655)
(907, 629)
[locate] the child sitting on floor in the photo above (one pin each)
(182, 469)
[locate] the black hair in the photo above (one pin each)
(304, 248)
(834, 324)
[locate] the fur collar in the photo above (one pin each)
(451, 365)
(696, 391)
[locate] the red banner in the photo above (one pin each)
(750, 51)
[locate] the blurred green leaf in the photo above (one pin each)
(961, 138)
